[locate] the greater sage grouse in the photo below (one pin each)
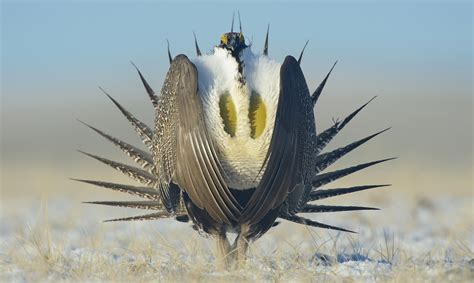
(234, 147)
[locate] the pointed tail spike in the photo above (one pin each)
(143, 192)
(145, 133)
(232, 26)
(170, 58)
(240, 22)
(150, 205)
(149, 90)
(198, 51)
(323, 194)
(302, 51)
(326, 178)
(151, 216)
(326, 136)
(325, 160)
(144, 159)
(309, 222)
(353, 114)
(265, 47)
(319, 89)
(135, 173)
(313, 208)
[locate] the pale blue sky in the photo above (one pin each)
(45, 42)
(416, 55)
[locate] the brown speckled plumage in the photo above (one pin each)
(184, 176)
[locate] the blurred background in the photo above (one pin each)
(416, 56)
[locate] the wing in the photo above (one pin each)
(198, 170)
(285, 159)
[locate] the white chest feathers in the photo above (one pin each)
(240, 118)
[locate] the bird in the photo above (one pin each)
(234, 147)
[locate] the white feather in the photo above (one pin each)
(241, 156)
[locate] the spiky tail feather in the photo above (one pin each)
(156, 197)
(151, 205)
(314, 208)
(143, 192)
(322, 194)
(326, 136)
(326, 159)
(151, 216)
(145, 133)
(137, 174)
(312, 223)
(142, 158)
(326, 178)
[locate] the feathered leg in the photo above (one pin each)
(241, 246)
(224, 251)
(238, 250)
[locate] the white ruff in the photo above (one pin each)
(241, 156)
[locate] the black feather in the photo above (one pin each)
(265, 47)
(326, 136)
(326, 159)
(319, 89)
(322, 194)
(198, 52)
(325, 178)
(309, 222)
(302, 51)
(149, 90)
(169, 52)
(313, 208)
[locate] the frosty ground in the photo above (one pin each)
(412, 238)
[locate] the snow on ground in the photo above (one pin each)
(411, 238)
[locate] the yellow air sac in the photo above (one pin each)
(228, 113)
(257, 115)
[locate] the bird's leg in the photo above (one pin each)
(240, 247)
(224, 252)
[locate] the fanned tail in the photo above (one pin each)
(164, 198)
(166, 201)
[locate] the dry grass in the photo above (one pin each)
(68, 243)
(417, 236)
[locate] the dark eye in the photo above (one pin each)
(257, 115)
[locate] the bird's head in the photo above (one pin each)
(234, 42)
